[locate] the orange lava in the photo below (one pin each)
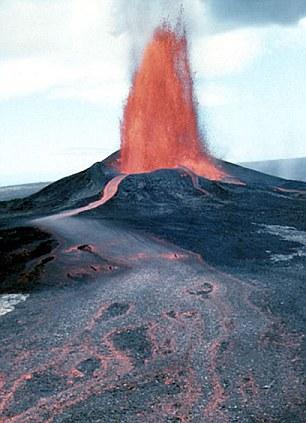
(160, 125)
(110, 190)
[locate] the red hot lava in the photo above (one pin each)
(160, 126)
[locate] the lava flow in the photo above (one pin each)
(110, 190)
(160, 126)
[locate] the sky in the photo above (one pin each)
(66, 68)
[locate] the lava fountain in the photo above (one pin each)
(160, 125)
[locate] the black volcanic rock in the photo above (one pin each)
(170, 185)
(73, 189)
(19, 247)
(70, 192)
(122, 321)
(221, 221)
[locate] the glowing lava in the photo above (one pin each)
(160, 126)
(110, 190)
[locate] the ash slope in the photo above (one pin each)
(173, 302)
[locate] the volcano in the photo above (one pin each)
(159, 285)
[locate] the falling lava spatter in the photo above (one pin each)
(160, 126)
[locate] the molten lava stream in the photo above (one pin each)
(160, 125)
(110, 189)
(195, 181)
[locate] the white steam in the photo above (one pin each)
(138, 19)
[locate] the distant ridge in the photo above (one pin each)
(21, 191)
(294, 169)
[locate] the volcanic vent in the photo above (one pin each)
(160, 126)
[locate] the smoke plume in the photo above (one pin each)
(138, 19)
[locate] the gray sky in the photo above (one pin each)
(258, 12)
(65, 68)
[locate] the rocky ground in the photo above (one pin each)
(172, 302)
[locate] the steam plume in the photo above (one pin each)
(138, 19)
